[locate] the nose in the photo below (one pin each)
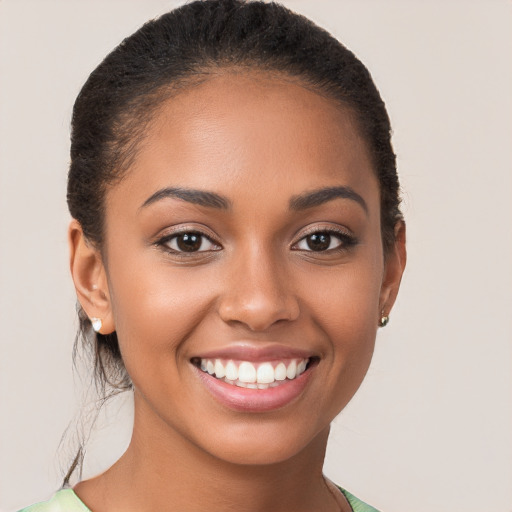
(258, 293)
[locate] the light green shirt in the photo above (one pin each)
(66, 500)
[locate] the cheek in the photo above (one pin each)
(155, 308)
(347, 299)
(347, 313)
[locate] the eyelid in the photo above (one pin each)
(187, 228)
(323, 228)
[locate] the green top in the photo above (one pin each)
(356, 504)
(66, 500)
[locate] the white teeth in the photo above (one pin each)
(231, 371)
(245, 374)
(280, 372)
(265, 374)
(291, 371)
(219, 369)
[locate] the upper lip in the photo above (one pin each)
(247, 351)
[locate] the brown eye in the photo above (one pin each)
(190, 241)
(323, 241)
(319, 241)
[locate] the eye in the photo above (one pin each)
(189, 241)
(321, 241)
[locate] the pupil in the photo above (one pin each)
(189, 242)
(319, 241)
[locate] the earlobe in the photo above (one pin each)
(90, 279)
(393, 271)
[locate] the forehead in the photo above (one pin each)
(254, 128)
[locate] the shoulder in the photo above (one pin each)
(64, 500)
(356, 504)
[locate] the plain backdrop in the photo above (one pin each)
(431, 428)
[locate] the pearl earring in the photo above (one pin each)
(384, 320)
(96, 324)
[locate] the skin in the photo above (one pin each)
(259, 141)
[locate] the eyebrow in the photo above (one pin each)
(323, 195)
(200, 197)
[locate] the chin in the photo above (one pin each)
(263, 445)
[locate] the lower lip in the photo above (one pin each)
(255, 400)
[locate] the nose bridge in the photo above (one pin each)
(257, 291)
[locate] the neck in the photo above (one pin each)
(162, 470)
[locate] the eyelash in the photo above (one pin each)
(346, 241)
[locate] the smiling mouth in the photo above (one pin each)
(247, 374)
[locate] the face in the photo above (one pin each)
(245, 271)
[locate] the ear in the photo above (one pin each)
(394, 267)
(90, 278)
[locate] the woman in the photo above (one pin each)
(236, 242)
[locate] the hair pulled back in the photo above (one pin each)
(182, 47)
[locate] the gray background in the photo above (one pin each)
(430, 430)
